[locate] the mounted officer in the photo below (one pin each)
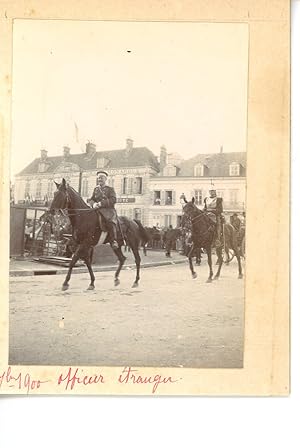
(103, 200)
(214, 205)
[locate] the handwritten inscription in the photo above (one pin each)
(73, 377)
(20, 381)
(77, 377)
(128, 377)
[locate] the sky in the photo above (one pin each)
(182, 85)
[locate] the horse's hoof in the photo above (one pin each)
(216, 277)
(135, 285)
(64, 287)
(91, 287)
(194, 275)
(240, 276)
(209, 280)
(117, 282)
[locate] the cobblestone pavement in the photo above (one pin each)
(170, 320)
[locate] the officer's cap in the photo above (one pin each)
(104, 173)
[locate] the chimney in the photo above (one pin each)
(44, 154)
(221, 149)
(129, 145)
(163, 158)
(66, 152)
(90, 148)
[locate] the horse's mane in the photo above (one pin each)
(197, 209)
(79, 202)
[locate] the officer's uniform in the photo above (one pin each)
(106, 198)
(215, 205)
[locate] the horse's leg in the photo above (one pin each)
(190, 257)
(198, 256)
(121, 259)
(88, 262)
(137, 259)
(220, 261)
(73, 261)
(226, 250)
(237, 254)
(209, 261)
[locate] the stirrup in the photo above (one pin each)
(114, 244)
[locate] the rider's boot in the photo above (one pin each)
(112, 230)
(218, 233)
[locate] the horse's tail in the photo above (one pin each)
(143, 235)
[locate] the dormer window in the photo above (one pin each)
(42, 167)
(102, 162)
(199, 170)
(169, 170)
(234, 169)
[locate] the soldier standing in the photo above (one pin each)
(103, 200)
(169, 235)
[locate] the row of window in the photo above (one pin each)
(130, 185)
(168, 197)
(38, 191)
(134, 186)
(164, 197)
(166, 220)
(201, 170)
(132, 213)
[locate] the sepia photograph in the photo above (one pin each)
(128, 175)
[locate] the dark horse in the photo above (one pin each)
(86, 233)
(203, 235)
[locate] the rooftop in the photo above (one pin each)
(139, 156)
(216, 164)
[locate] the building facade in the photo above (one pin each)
(146, 189)
(129, 170)
(226, 172)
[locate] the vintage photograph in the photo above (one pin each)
(128, 176)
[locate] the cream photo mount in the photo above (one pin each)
(266, 350)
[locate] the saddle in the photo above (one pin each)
(102, 223)
(103, 229)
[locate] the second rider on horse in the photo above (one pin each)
(103, 200)
(214, 204)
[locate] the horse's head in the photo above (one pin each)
(190, 209)
(191, 213)
(61, 197)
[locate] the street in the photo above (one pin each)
(170, 320)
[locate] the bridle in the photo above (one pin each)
(66, 212)
(195, 219)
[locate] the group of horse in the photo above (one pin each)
(86, 232)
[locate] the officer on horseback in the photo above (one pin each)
(214, 204)
(103, 200)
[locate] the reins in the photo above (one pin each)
(196, 218)
(67, 211)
